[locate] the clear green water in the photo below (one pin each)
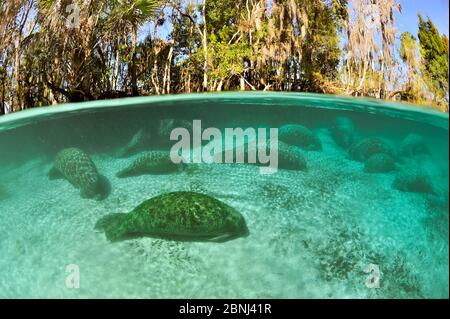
(312, 233)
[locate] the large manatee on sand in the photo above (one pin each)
(74, 165)
(184, 216)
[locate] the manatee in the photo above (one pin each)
(290, 157)
(413, 145)
(343, 131)
(362, 150)
(140, 141)
(151, 162)
(156, 136)
(167, 125)
(413, 181)
(184, 216)
(299, 135)
(379, 163)
(74, 165)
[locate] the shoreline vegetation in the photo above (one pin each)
(54, 52)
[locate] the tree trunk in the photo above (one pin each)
(188, 84)
(134, 86)
(2, 98)
(155, 70)
(242, 83)
(220, 85)
(168, 69)
(205, 49)
(116, 67)
(17, 84)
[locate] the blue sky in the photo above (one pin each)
(437, 10)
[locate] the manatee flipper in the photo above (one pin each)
(127, 172)
(114, 226)
(84, 194)
(221, 239)
(54, 173)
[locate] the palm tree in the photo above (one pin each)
(126, 16)
(102, 25)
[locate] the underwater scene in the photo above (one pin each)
(92, 205)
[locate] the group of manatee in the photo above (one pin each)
(187, 216)
(199, 217)
(382, 156)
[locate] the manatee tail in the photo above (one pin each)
(114, 226)
(123, 152)
(127, 172)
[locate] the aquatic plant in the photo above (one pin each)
(279, 196)
(299, 135)
(340, 256)
(346, 255)
(172, 253)
(289, 239)
(398, 280)
(436, 222)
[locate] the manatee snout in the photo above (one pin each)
(237, 226)
(103, 188)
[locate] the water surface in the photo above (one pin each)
(313, 233)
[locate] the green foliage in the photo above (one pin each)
(227, 60)
(434, 49)
(339, 12)
(415, 86)
(408, 45)
(320, 61)
(136, 12)
(283, 45)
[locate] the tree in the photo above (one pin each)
(56, 51)
(414, 88)
(434, 48)
(369, 68)
(125, 17)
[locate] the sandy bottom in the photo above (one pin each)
(313, 235)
